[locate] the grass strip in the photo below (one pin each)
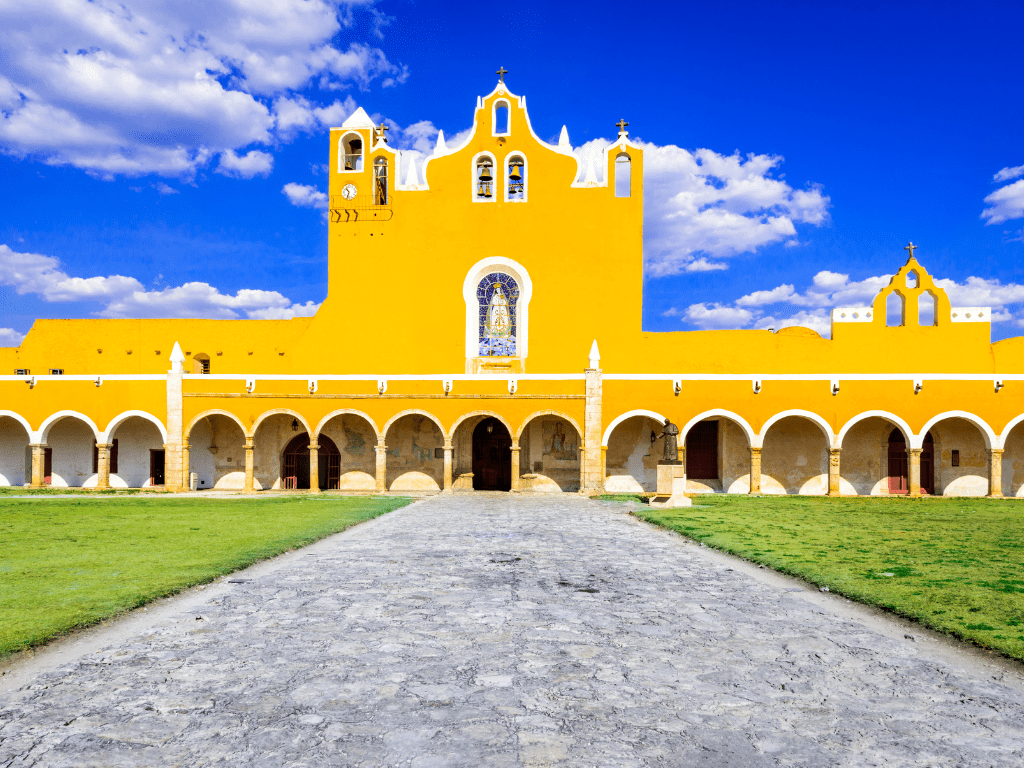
(72, 562)
(955, 565)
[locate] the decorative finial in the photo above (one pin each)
(622, 127)
(910, 248)
(501, 74)
(380, 133)
(595, 355)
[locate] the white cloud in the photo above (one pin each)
(703, 265)
(702, 204)
(1009, 173)
(305, 196)
(126, 297)
(1005, 203)
(10, 337)
(979, 292)
(253, 163)
(819, 320)
(717, 316)
(132, 88)
(165, 189)
(760, 298)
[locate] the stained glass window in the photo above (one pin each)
(497, 297)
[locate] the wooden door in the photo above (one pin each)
(702, 451)
(492, 456)
(898, 482)
(48, 466)
(928, 465)
(156, 467)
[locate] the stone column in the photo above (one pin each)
(172, 448)
(102, 466)
(755, 470)
(314, 467)
(995, 473)
(515, 468)
(604, 465)
(833, 472)
(592, 481)
(449, 449)
(186, 466)
(914, 470)
(250, 483)
(38, 465)
(382, 465)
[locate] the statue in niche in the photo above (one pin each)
(671, 434)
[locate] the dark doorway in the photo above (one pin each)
(898, 464)
(702, 451)
(295, 474)
(48, 466)
(492, 456)
(156, 467)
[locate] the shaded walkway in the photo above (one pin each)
(507, 631)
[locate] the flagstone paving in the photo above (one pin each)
(509, 631)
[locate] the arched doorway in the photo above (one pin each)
(898, 464)
(296, 463)
(492, 456)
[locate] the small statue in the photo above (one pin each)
(670, 432)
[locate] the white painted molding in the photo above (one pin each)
(477, 273)
(809, 415)
(904, 427)
(115, 422)
(346, 412)
(1005, 434)
(40, 435)
(21, 420)
(411, 412)
(628, 415)
(752, 438)
(991, 439)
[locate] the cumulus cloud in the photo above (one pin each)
(702, 204)
(122, 87)
(10, 337)
(1006, 202)
(305, 196)
(122, 296)
(253, 163)
(717, 316)
(1009, 173)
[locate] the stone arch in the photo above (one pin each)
(896, 421)
(809, 415)
(549, 471)
(450, 435)
(991, 440)
(1000, 443)
(122, 417)
(411, 412)
(415, 459)
(628, 415)
(791, 462)
(345, 412)
(43, 432)
(277, 412)
(215, 412)
(752, 437)
(1011, 440)
(15, 456)
(730, 463)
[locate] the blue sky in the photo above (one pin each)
(166, 158)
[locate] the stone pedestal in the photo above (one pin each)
(464, 482)
(671, 486)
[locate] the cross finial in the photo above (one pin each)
(910, 247)
(380, 133)
(501, 74)
(622, 126)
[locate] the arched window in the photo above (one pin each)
(926, 308)
(894, 309)
(380, 181)
(912, 279)
(350, 153)
(515, 188)
(201, 363)
(497, 298)
(502, 122)
(478, 292)
(483, 178)
(623, 175)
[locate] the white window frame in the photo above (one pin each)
(526, 172)
(478, 272)
(473, 178)
(494, 117)
(341, 152)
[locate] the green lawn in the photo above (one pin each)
(955, 565)
(73, 560)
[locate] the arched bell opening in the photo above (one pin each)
(484, 178)
(492, 456)
(926, 309)
(217, 453)
(549, 455)
(623, 175)
(355, 438)
(794, 458)
(415, 454)
(380, 181)
(895, 310)
(515, 188)
(631, 461)
(295, 464)
(15, 454)
(350, 156)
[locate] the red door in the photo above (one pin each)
(928, 465)
(898, 482)
(48, 466)
(702, 451)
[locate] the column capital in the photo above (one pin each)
(249, 443)
(107, 446)
(995, 451)
(914, 451)
(38, 445)
(449, 447)
(314, 446)
(754, 450)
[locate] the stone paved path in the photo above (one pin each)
(502, 631)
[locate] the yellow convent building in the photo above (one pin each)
(504, 351)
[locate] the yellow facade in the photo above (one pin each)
(402, 382)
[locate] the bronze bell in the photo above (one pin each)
(485, 174)
(348, 165)
(516, 175)
(487, 190)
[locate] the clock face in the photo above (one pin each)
(348, 191)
